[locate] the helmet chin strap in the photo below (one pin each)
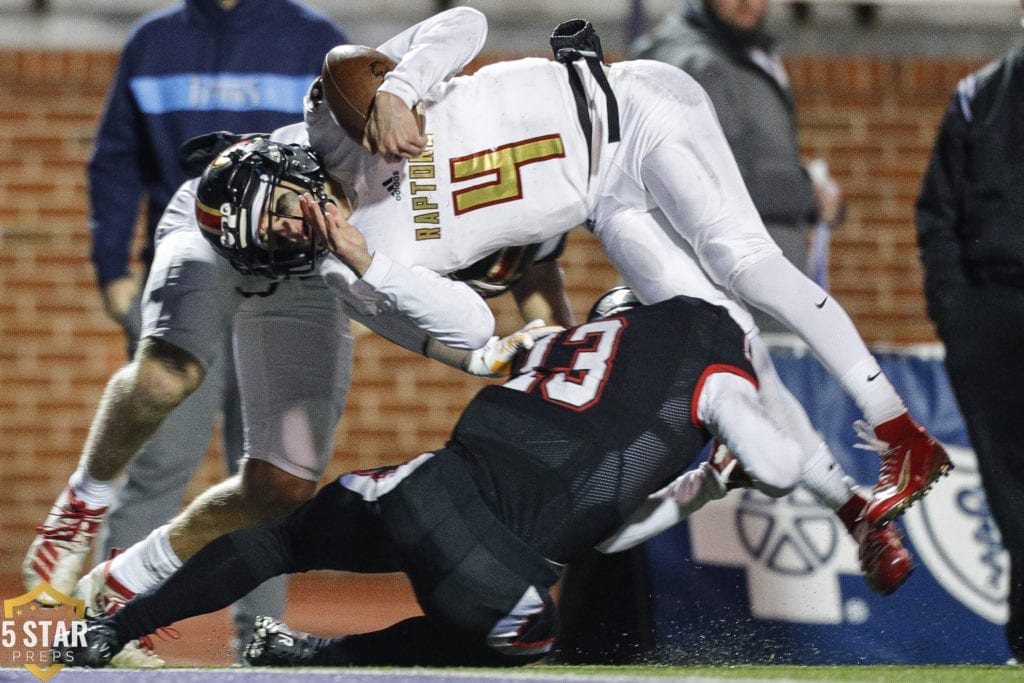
(574, 40)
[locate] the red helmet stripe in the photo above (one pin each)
(208, 218)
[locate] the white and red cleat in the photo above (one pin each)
(61, 547)
(104, 595)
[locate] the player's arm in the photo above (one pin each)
(374, 285)
(426, 54)
(729, 407)
(666, 507)
(540, 293)
(434, 49)
(494, 359)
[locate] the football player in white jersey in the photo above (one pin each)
(524, 150)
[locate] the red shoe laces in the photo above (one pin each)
(73, 522)
(164, 633)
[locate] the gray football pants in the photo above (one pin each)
(158, 476)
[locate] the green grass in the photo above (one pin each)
(965, 673)
(958, 673)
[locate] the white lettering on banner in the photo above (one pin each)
(954, 535)
(793, 549)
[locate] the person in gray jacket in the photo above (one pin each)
(723, 45)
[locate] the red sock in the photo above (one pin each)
(852, 510)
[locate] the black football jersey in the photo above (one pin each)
(594, 419)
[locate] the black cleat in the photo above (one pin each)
(274, 644)
(101, 644)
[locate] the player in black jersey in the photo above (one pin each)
(594, 420)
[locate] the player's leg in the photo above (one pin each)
(157, 478)
(483, 591)
(658, 263)
(416, 641)
(337, 529)
(183, 312)
(911, 460)
(708, 206)
(885, 561)
(293, 353)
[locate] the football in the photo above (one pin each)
(350, 78)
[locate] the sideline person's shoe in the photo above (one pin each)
(274, 644)
(912, 460)
(103, 596)
(62, 544)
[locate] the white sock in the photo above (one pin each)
(873, 392)
(93, 492)
(824, 478)
(146, 563)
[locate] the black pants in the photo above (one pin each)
(983, 331)
(468, 571)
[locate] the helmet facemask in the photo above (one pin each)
(247, 190)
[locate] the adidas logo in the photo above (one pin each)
(394, 186)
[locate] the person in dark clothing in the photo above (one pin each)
(970, 227)
(593, 421)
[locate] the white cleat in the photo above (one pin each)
(57, 555)
(103, 596)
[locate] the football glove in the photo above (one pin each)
(494, 359)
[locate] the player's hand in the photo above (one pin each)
(495, 358)
(341, 237)
(118, 296)
(831, 207)
(392, 129)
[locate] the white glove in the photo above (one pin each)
(666, 507)
(495, 358)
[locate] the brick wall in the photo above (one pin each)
(874, 120)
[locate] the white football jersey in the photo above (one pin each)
(485, 181)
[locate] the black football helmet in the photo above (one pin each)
(615, 300)
(253, 182)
